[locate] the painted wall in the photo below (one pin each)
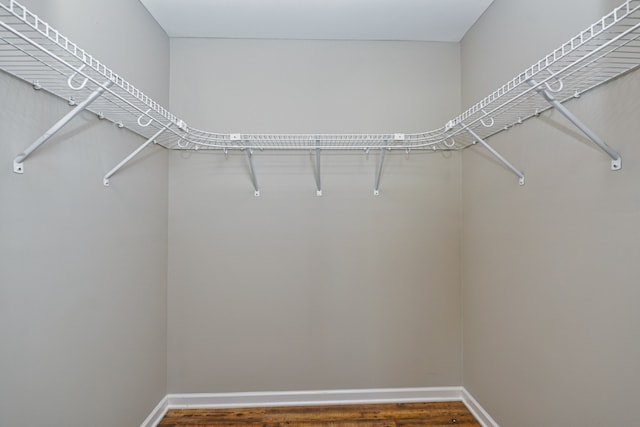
(290, 291)
(83, 267)
(550, 271)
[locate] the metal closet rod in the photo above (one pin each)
(582, 62)
(70, 49)
(194, 139)
(494, 102)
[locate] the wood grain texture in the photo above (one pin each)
(378, 415)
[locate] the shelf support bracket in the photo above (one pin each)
(109, 174)
(376, 189)
(616, 160)
(495, 153)
(254, 180)
(18, 166)
(318, 181)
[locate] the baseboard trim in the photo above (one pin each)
(157, 414)
(321, 397)
(478, 411)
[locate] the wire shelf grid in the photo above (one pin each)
(33, 51)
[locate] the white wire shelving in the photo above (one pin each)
(33, 51)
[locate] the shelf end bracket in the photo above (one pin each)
(616, 160)
(504, 161)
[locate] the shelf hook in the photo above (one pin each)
(186, 143)
(144, 125)
(555, 90)
(453, 143)
(560, 83)
(72, 76)
(487, 125)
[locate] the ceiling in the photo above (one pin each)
(421, 20)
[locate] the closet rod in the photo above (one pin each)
(35, 52)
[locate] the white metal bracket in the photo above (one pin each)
(109, 174)
(376, 189)
(495, 153)
(616, 160)
(254, 179)
(18, 162)
(318, 181)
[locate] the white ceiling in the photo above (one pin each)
(423, 20)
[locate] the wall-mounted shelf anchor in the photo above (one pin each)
(18, 166)
(495, 153)
(545, 92)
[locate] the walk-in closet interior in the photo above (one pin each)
(236, 220)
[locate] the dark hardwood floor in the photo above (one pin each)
(379, 415)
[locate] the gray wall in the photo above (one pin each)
(550, 270)
(291, 291)
(83, 267)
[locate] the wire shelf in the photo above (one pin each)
(33, 51)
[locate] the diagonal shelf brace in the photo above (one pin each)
(495, 153)
(376, 189)
(109, 174)
(254, 179)
(616, 160)
(318, 181)
(18, 166)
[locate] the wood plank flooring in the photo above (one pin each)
(378, 415)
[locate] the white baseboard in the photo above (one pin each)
(322, 397)
(478, 411)
(157, 414)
